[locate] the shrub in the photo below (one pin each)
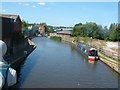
(56, 38)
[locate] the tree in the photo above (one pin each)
(49, 29)
(117, 32)
(78, 30)
(112, 32)
(24, 24)
(97, 33)
(106, 33)
(91, 29)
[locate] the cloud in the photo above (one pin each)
(33, 6)
(4, 10)
(26, 4)
(41, 3)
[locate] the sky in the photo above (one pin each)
(63, 13)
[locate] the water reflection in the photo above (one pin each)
(92, 62)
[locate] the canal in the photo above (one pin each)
(56, 64)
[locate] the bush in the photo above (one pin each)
(56, 38)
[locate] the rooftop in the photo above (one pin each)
(11, 16)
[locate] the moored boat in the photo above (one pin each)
(90, 53)
(93, 54)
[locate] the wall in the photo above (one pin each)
(17, 25)
(7, 27)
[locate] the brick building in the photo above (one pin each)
(10, 26)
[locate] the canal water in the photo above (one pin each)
(56, 64)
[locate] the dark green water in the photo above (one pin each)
(60, 65)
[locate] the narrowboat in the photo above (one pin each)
(90, 53)
(93, 54)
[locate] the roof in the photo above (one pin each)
(10, 16)
(93, 49)
(64, 32)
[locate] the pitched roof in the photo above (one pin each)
(11, 16)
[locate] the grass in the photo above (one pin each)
(56, 38)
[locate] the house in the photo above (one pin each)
(30, 27)
(11, 27)
(42, 30)
(32, 30)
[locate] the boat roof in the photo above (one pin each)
(93, 49)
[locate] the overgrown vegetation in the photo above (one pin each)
(91, 29)
(25, 24)
(56, 38)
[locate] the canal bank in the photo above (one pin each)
(113, 64)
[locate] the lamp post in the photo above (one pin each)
(91, 41)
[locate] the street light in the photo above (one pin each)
(91, 41)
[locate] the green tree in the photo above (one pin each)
(78, 30)
(97, 33)
(49, 29)
(24, 24)
(91, 29)
(112, 32)
(106, 33)
(115, 32)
